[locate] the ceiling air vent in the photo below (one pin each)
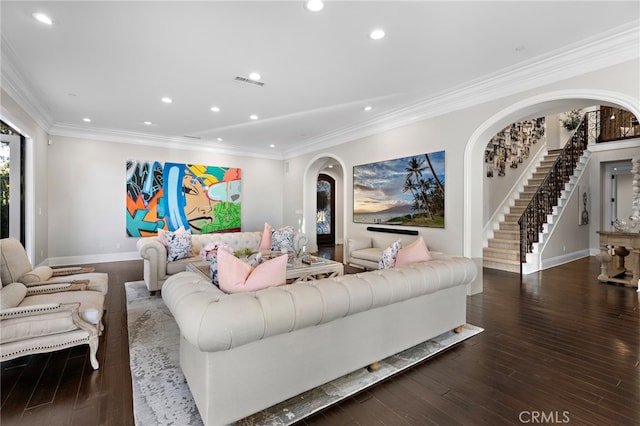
(191, 137)
(246, 80)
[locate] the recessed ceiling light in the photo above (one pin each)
(314, 5)
(219, 139)
(376, 34)
(215, 109)
(86, 120)
(148, 123)
(41, 17)
(272, 146)
(254, 76)
(368, 108)
(253, 117)
(167, 100)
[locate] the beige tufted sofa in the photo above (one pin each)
(157, 269)
(244, 352)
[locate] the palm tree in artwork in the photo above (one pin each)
(415, 168)
(433, 172)
(409, 185)
(420, 190)
(425, 193)
(428, 194)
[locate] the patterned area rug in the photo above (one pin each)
(161, 395)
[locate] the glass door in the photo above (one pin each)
(12, 210)
(325, 208)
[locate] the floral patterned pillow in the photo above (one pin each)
(178, 245)
(389, 255)
(210, 254)
(282, 238)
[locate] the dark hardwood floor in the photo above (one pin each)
(558, 347)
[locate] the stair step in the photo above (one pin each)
(517, 210)
(502, 254)
(539, 175)
(521, 202)
(505, 244)
(501, 265)
(506, 235)
(513, 218)
(509, 226)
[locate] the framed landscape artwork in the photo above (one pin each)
(168, 196)
(407, 191)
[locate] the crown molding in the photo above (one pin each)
(597, 52)
(18, 89)
(600, 51)
(145, 139)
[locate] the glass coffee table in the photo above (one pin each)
(297, 270)
(316, 268)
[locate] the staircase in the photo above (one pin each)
(503, 250)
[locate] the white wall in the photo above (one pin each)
(87, 194)
(452, 132)
(568, 238)
(598, 179)
(74, 177)
(36, 181)
(624, 195)
(497, 188)
(437, 134)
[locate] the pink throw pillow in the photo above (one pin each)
(236, 276)
(265, 242)
(417, 251)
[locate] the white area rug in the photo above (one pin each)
(161, 395)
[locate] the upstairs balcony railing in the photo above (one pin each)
(546, 197)
(611, 124)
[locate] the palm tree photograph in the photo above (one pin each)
(407, 191)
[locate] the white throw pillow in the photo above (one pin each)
(389, 255)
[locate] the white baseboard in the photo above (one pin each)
(92, 258)
(565, 258)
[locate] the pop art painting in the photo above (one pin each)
(202, 199)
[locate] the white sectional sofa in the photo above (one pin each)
(244, 352)
(157, 268)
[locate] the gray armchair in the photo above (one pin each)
(47, 318)
(15, 267)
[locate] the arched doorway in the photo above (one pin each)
(332, 166)
(325, 210)
(553, 102)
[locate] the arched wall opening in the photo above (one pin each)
(318, 164)
(548, 103)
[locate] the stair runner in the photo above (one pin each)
(503, 251)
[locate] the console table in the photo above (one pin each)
(620, 257)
